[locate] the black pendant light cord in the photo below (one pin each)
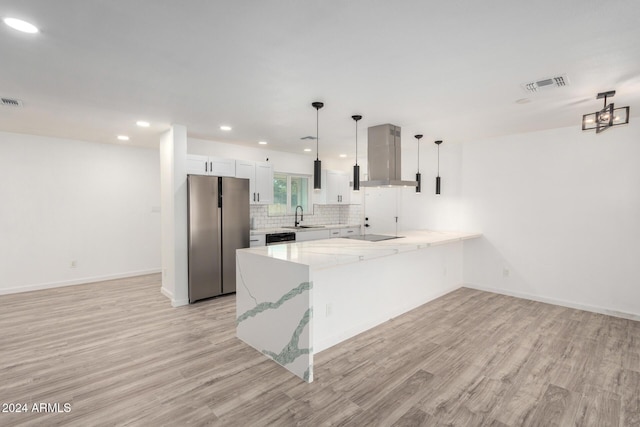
(356, 118)
(438, 159)
(418, 155)
(317, 134)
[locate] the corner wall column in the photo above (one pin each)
(173, 189)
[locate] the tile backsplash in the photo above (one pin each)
(322, 214)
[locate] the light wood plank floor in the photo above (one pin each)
(120, 355)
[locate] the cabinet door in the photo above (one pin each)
(350, 231)
(345, 190)
(222, 167)
(264, 183)
(197, 165)
(257, 240)
(303, 236)
(338, 191)
(246, 169)
(334, 182)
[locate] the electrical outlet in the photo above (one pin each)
(74, 264)
(329, 310)
(505, 272)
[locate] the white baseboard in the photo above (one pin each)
(562, 303)
(174, 302)
(82, 281)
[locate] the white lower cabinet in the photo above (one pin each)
(349, 231)
(257, 240)
(303, 236)
(327, 233)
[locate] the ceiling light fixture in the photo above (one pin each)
(224, 127)
(262, 142)
(418, 176)
(343, 156)
(143, 124)
(607, 117)
(123, 137)
(356, 168)
(307, 149)
(317, 164)
(20, 25)
(438, 177)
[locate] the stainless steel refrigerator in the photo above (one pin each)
(218, 210)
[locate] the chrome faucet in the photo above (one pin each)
(296, 223)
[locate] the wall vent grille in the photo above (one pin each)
(544, 84)
(10, 102)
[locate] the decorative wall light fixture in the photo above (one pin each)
(356, 168)
(607, 117)
(317, 164)
(438, 177)
(418, 176)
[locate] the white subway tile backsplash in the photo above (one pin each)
(322, 214)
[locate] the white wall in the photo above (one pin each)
(425, 210)
(64, 200)
(560, 210)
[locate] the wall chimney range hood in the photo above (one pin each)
(383, 158)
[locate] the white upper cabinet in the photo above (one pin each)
(210, 165)
(264, 183)
(335, 189)
(260, 175)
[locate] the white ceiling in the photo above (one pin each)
(451, 70)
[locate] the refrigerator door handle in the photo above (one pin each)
(206, 166)
(258, 196)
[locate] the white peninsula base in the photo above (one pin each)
(294, 300)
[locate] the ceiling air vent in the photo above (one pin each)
(10, 102)
(544, 84)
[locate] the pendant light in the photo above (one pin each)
(356, 168)
(317, 168)
(418, 176)
(438, 177)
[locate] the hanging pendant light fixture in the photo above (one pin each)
(607, 117)
(356, 168)
(438, 177)
(317, 164)
(418, 176)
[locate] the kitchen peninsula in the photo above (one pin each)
(297, 299)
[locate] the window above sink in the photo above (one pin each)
(289, 191)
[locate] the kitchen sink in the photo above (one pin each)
(303, 226)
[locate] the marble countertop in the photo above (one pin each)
(332, 252)
(259, 231)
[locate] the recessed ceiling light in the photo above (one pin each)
(224, 127)
(262, 142)
(143, 124)
(20, 25)
(123, 137)
(343, 155)
(307, 149)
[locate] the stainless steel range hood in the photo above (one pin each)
(383, 158)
